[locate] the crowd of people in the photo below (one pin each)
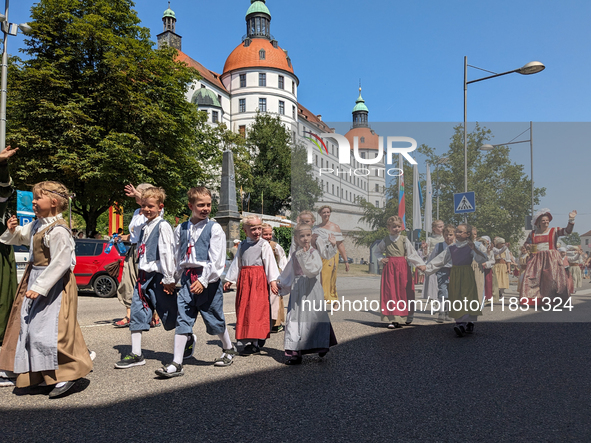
(170, 276)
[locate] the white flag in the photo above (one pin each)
(417, 222)
(428, 203)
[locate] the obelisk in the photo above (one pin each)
(227, 215)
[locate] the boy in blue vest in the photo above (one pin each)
(155, 287)
(200, 251)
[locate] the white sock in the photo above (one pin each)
(180, 341)
(225, 338)
(136, 343)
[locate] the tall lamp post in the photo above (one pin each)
(441, 161)
(530, 68)
(8, 29)
(488, 147)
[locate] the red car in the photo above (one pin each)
(92, 269)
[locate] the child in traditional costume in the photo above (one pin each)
(449, 234)
(574, 255)
(307, 328)
(397, 289)
(523, 258)
(462, 284)
(545, 275)
(276, 301)
(130, 271)
(487, 269)
(478, 271)
(200, 251)
(502, 261)
(44, 342)
(254, 268)
(431, 285)
(155, 287)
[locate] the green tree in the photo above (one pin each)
(283, 178)
(305, 190)
(503, 190)
(96, 106)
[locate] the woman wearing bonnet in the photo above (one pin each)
(545, 275)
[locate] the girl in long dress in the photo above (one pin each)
(501, 268)
(307, 327)
(430, 288)
(545, 275)
(44, 342)
(397, 289)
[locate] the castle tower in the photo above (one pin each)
(169, 36)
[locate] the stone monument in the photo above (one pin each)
(227, 215)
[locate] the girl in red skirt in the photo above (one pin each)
(254, 268)
(397, 287)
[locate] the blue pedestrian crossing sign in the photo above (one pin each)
(464, 202)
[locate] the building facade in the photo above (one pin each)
(258, 76)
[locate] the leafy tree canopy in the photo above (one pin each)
(95, 106)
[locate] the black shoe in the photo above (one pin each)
(470, 328)
(130, 360)
(190, 347)
(250, 350)
(397, 325)
(460, 330)
(294, 361)
(262, 343)
(322, 354)
(276, 329)
(58, 392)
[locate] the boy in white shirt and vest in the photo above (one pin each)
(155, 288)
(200, 251)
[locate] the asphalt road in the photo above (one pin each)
(523, 376)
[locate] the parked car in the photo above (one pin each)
(349, 260)
(21, 256)
(91, 267)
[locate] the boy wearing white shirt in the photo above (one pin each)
(200, 251)
(155, 286)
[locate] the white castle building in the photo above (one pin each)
(259, 76)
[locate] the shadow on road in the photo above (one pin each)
(507, 382)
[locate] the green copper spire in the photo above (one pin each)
(169, 12)
(258, 6)
(360, 104)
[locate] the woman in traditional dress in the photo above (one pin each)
(545, 275)
(430, 287)
(307, 327)
(330, 265)
(574, 255)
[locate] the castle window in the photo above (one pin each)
(363, 140)
(243, 80)
(293, 111)
(363, 155)
(377, 188)
(263, 104)
(214, 116)
(262, 79)
(293, 87)
(242, 130)
(242, 105)
(377, 203)
(281, 82)
(281, 107)
(262, 54)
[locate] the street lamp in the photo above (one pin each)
(530, 68)
(488, 147)
(8, 29)
(441, 161)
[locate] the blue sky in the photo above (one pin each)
(409, 56)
